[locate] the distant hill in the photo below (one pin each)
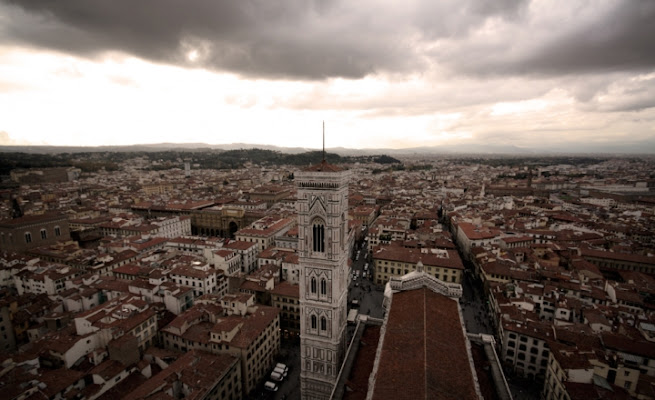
(641, 147)
(163, 157)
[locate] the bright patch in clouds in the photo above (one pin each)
(192, 55)
(518, 107)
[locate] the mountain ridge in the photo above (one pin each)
(459, 149)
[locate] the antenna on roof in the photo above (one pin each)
(323, 141)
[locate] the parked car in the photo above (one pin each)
(283, 366)
(270, 386)
(281, 371)
(276, 376)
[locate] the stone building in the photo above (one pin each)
(323, 247)
(24, 233)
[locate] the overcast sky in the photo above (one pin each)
(395, 74)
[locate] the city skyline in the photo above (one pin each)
(524, 74)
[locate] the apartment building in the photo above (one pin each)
(198, 275)
(237, 327)
(172, 227)
(607, 260)
(248, 252)
(225, 260)
(395, 261)
(50, 279)
(195, 375)
(264, 231)
(470, 235)
(286, 297)
(524, 346)
(570, 374)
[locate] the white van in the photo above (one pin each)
(276, 376)
(281, 366)
(281, 371)
(270, 386)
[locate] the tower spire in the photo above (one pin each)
(323, 141)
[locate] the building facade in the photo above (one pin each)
(323, 248)
(396, 261)
(32, 231)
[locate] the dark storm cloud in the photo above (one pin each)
(622, 39)
(318, 39)
(261, 38)
(455, 18)
(619, 38)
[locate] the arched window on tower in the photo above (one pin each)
(323, 287)
(318, 236)
(313, 285)
(313, 321)
(323, 324)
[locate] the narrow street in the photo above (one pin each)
(474, 306)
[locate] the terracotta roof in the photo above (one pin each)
(413, 256)
(584, 391)
(357, 382)
(198, 370)
(323, 166)
(474, 232)
(617, 256)
(424, 352)
(624, 344)
(254, 325)
(285, 288)
(56, 381)
(31, 219)
(239, 245)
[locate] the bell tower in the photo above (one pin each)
(322, 207)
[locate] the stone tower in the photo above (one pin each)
(323, 247)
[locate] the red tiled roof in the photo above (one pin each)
(476, 233)
(413, 256)
(358, 379)
(30, 219)
(323, 166)
(285, 288)
(424, 353)
(200, 371)
(617, 256)
(254, 325)
(239, 245)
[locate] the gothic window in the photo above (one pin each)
(323, 324)
(313, 321)
(57, 231)
(44, 234)
(313, 285)
(323, 287)
(28, 237)
(318, 236)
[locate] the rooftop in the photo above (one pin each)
(424, 351)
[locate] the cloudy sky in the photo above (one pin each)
(397, 74)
